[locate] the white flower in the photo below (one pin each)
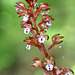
(28, 47)
(48, 23)
(42, 13)
(49, 67)
(68, 73)
(36, 4)
(26, 17)
(58, 72)
(26, 30)
(41, 39)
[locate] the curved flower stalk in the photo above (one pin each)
(38, 37)
(55, 40)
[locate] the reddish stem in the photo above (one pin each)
(44, 50)
(33, 32)
(54, 73)
(44, 68)
(40, 49)
(39, 23)
(34, 21)
(50, 47)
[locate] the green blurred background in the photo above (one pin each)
(15, 59)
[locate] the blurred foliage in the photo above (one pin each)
(14, 58)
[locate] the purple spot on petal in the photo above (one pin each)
(26, 30)
(41, 39)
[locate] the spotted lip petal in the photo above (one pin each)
(28, 47)
(49, 67)
(49, 63)
(41, 36)
(41, 39)
(26, 30)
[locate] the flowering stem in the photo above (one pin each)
(33, 32)
(50, 47)
(44, 68)
(44, 50)
(34, 21)
(40, 49)
(37, 39)
(54, 73)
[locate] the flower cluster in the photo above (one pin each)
(39, 36)
(50, 67)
